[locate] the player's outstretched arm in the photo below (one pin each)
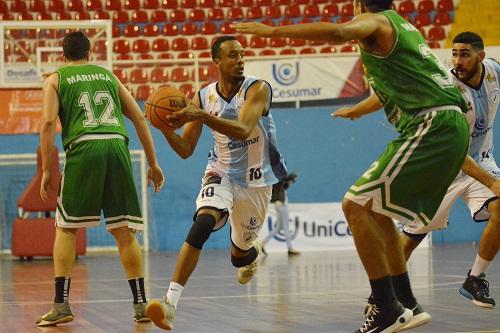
(361, 27)
(131, 110)
(256, 103)
(471, 168)
(366, 106)
(48, 128)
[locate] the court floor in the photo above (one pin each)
(316, 292)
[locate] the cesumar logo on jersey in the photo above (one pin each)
(480, 127)
(286, 74)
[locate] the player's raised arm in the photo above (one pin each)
(48, 128)
(366, 106)
(131, 110)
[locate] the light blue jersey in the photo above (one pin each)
(483, 105)
(255, 162)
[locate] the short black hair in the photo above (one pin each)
(469, 37)
(76, 46)
(375, 6)
(217, 43)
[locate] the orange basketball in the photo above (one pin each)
(161, 103)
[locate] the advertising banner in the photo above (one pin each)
(20, 111)
(313, 227)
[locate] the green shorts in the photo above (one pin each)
(98, 176)
(410, 179)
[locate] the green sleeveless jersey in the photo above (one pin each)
(411, 78)
(89, 102)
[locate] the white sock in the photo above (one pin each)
(174, 293)
(480, 266)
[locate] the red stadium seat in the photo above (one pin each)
(257, 42)
(301, 2)
(282, 3)
(114, 5)
(197, 15)
(426, 6)
(328, 49)
(288, 52)
(36, 6)
(121, 46)
(56, 6)
(208, 28)
(141, 46)
(434, 45)
(311, 11)
(199, 43)
(226, 3)
(226, 28)
(436, 33)
(442, 18)
(207, 3)
(179, 74)
(344, 19)
(132, 4)
(140, 16)
(116, 31)
(205, 54)
(120, 17)
(261, 3)
(169, 4)
(243, 40)
(143, 91)
(43, 16)
(245, 3)
(25, 17)
(331, 10)
(277, 42)
(139, 75)
(170, 29)
(286, 21)
(422, 20)
(180, 44)
(445, 6)
(101, 15)
(121, 75)
(216, 14)
(144, 56)
(235, 14)
(185, 55)
(63, 16)
(19, 6)
(75, 6)
(94, 5)
(249, 53)
(308, 50)
(187, 89)
(207, 73)
(125, 56)
(189, 29)
(168, 56)
(349, 48)
(151, 4)
(159, 16)
(159, 75)
(267, 52)
(273, 12)
(151, 30)
(254, 13)
(6, 17)
(160, 45)
(4, 9)
(82, 16)
(99, 46)
(188, 4)
(293, 11)
(347, 9)
(177, 16)
(296, 42)
(132, 30)
(406, 7)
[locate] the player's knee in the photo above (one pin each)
(494, 211)
(200, 230)
(246, 260)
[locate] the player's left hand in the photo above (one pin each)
(44, 186)
(190, 113)
(254, 28)
(155, 176)
(495, 188)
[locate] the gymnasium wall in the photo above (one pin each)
(328, 154)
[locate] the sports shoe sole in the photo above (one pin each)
(155, 312)
(416, 321)
(55, 322)
(142, 320)
(466, 294)
(402, 320)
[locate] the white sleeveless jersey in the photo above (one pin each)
(255, 162)
(483, 106)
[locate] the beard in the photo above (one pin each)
(467, 75)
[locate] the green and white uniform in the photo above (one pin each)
(409, 180)
(98, 171)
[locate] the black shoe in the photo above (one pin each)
(369, 304)
(420, 317)
(477, 289)
(385, 320)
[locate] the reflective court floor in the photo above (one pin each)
(315, 292)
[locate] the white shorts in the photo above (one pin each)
(245, 208)
(475, 195)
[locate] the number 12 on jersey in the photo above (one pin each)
(106, 117)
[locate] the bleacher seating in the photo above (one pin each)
(185, 29)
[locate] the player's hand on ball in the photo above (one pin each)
(44, 186)
(190, 113)
(254, 28)
(344, 113)
(155, 176)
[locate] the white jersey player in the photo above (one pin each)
(242, 167)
